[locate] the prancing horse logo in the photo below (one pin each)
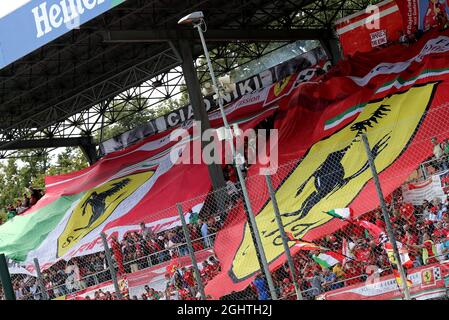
(97, 201)
(330, 175)
(98, 205)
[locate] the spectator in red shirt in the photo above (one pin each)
(288, 290)
(207, 272)
(216, 267)
(187, 275)
(407, 211)
(197, 242)
(352, 270)
(185, 294)
(362, 252)
(379, 220)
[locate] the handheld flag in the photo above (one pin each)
(172, 267)
(302, 245)
(343, 214)
(328, 259)
(377, 233)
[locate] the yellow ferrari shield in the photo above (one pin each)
(96, 206)
(281, 85)
(334, 171)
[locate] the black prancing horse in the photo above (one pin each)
(330, 175)
(98, 202)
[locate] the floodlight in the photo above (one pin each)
(193, 18)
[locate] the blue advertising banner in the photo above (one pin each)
(39, 22)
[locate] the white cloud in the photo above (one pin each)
(8, 6)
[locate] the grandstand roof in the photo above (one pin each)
(132, 43)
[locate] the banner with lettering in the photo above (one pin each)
(427, 283)
(305, 64)
(371, 28)
(42, 21)
(429, 189)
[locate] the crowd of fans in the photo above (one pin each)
(29, 199)
(138, 250)
(423, 230)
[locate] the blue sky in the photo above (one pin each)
(6, 6)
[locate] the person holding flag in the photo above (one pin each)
(380, 239)
(428, 250)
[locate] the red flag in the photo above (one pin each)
(368, 29)
(172, 267)
(376, 232)
(322, 162)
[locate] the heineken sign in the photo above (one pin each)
(39, 22)
(48, 18)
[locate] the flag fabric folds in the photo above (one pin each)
(140, 184)
(394, 92)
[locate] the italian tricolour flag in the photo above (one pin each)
(344, 213)
(328, 259)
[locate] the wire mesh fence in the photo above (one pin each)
(335, 223)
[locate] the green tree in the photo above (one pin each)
(69, 160)
(16, 176)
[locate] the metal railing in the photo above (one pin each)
(312, 293)
(436, 164)
(167, 254)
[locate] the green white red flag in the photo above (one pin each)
(328, 259)
(343, 214)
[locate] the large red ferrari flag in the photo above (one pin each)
(399, 104)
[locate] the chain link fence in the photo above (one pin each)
(307, 256)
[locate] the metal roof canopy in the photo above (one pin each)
(132, 43)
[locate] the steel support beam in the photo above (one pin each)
(47, 143)
(199, 109)
(163, 61)
(89, 151)
(332, 47)
(162, 35)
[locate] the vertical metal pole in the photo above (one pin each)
(191, 253)
(40, 280)
(330, 45)
(5, 278)
(284, 238)
(252, 220)
(108, 255)
(200, 114)
(386, 217)
(424, 171)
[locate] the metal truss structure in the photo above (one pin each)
(80, 83)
